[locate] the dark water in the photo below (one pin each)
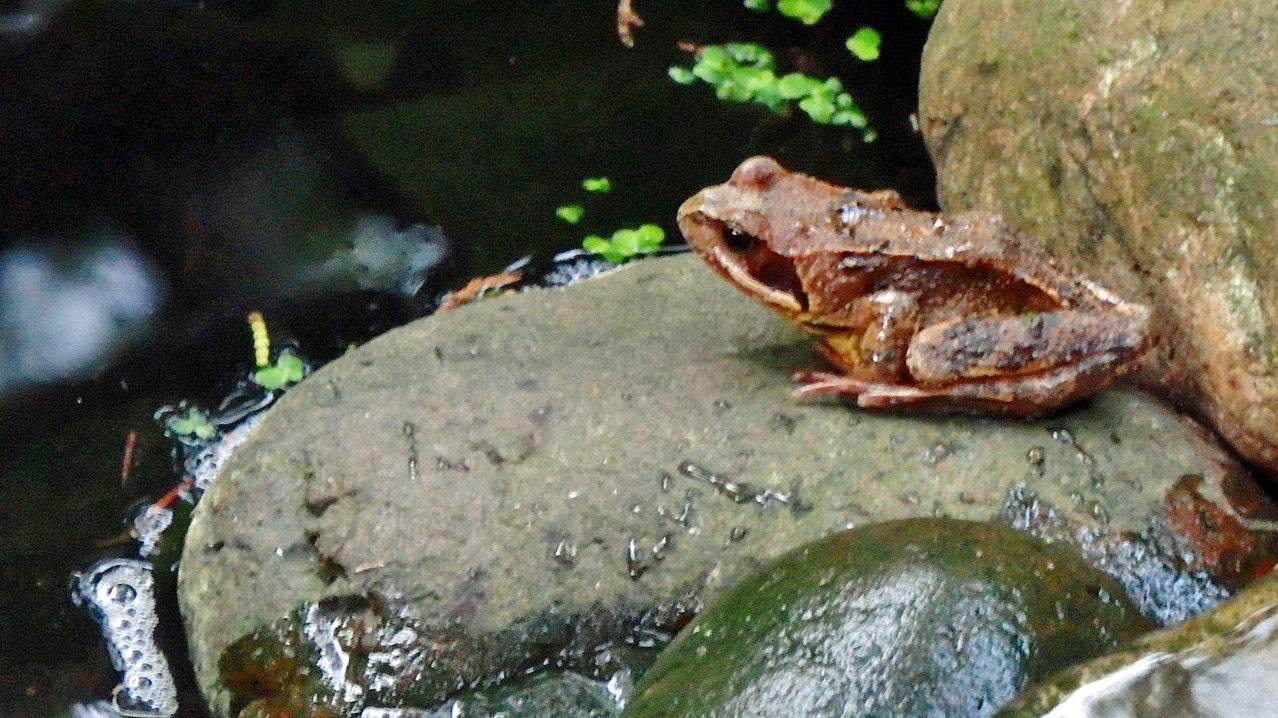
(169, 166)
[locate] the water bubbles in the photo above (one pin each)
(96, 709)
(205, 461)
(120, 594)
(620, 686)
(572, 267)
(149, 526)
(380, 712)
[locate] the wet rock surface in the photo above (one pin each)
(594, 462)
(343, 655)
(1142, 145)
(1221, 663)
(920, 617)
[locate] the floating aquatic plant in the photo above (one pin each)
(864, 43)
(288, 367)
(570, 213)
(746, 72)
(625, 243)
(596, 184)
(807, 12)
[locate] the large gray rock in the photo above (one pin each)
(1140, 141)
(443, 466)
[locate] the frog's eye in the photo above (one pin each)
(737, 240)
(757, 173)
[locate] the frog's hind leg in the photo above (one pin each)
(995, 348)
(1025, 395)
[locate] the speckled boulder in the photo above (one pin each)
(1140, 140)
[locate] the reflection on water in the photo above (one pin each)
(64, 315)
(381, 257)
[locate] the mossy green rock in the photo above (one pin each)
(918, 617)
(1138, 140)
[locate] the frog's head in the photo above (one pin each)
(755, 227)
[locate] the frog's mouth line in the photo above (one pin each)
(767, 276)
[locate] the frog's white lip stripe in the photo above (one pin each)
(761, 291)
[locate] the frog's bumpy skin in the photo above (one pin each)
(121, 595)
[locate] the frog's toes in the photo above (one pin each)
(820, 382)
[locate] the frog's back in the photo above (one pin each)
(973, 248)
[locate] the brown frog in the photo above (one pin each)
(917, 309)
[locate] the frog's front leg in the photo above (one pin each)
(1021, 365)
(875, 346)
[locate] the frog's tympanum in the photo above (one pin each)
(916, 309)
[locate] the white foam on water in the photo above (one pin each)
(121, 595)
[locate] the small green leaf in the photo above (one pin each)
(287, 369)
(193, 423)
(805, 11)
(758, 5)
(650, 237)
(681, 75)
(612, 254)
(794, 85)
(925, 9)
(735, 89)
(595, 244)
(851, 118)
(763, 89)
(864, 43)
(596, 184)
(570, 213)
(710, 74)
(819, 109)
(713, 57)
(749, 53)
(269, 377)
(625, 241)
(204, 431)
(869, 136)
(292, 366)
(602, 247)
